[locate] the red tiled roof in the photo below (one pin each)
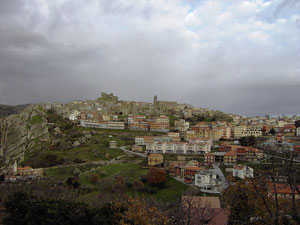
(25, 168)
(282, 188)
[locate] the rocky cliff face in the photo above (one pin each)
(19, 133)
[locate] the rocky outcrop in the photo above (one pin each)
(19, 133)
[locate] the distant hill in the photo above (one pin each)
(6, 110)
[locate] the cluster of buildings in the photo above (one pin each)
(111, 113)
(172, 144)
(231, 154)
(157, 124)
(23, 173)
(115, 125)
(213, 130)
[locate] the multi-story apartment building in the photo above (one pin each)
(230, 158)
(143, 126)
(174, 134)
(226, 132)
(207, 180)
(246, 131)
(178, 148)
(230, 154)
(162, 120)
(181, 125)
(216, 132)
(190, 134)
(136, 119)
(116, 125)
(143, 140)
(242, 171)
(155, 159)
(157, 127)
(288, 130)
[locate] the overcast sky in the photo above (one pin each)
(237, 56)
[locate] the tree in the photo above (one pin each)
(272, 131)
(24, 209)
(242, 203)
(156, 177)
(69, 181)
(76, 184)
(258, 200)
(76, 172)
(94, 178)
(297, 123)
(137, 185)
(248, 141)
(137, 211)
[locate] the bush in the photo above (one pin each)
(76, 184)
(103, 173)
(94, 178)
(143, 178)
(78, 160)
(76, 172)
(69, 181)
(137, 185)
(128, 184)
(149, 190)
(156, 177)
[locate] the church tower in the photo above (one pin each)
(15, 167)
(155, 100)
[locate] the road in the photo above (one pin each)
(131, 152)
(100, 163)
(221, 175)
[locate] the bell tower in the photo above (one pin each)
(155, 100)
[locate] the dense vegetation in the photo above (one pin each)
(23, 209)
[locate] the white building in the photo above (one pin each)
(181, 125)
(162, 120)
(298, 132)
(136, 118)
(208, 181)
(242, 171)
(73, 116)
(116, 125)
(178, 148)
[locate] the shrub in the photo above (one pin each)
(69, 181)
(78, 160)
(94, 178)
(137, 185)
(143, 178)
(156, 177)
(76, 184)
(76, 172)
(103, 173)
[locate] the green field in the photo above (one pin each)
(131, 171)
(65, 172)
(89, 153)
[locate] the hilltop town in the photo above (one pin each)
(163, 149)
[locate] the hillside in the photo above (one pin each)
(6, 110)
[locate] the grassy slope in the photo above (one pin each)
(132, 171)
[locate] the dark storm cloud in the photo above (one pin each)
(198, 53)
